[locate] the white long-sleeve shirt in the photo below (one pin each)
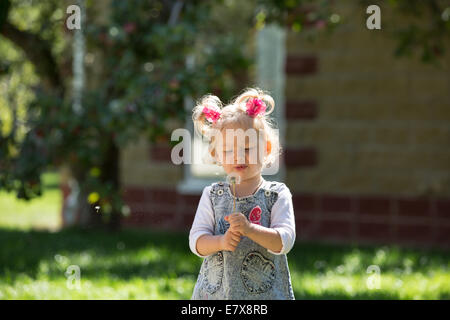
(282, 220)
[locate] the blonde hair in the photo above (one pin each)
(235, 113)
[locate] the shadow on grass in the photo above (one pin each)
(156, 254)
(109, 253)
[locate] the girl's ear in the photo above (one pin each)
(213, 154)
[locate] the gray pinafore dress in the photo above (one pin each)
(251, 271)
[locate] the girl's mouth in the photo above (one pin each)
(240, 167)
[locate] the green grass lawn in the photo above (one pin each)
(40, 213)
(149, 264)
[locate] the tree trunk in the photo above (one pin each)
(39, 52)
(111, 174)
(88, 218)
(76, 208)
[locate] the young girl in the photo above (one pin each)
(245, 249)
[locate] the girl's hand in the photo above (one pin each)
(239, 223)
(229, 240)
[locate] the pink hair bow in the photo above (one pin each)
(255, 106)
(211, 115)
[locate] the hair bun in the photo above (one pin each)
(202, 120)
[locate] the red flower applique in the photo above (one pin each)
(255, 215)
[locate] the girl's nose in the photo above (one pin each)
(239, 157)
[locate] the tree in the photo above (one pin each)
(135, 87)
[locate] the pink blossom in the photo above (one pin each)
(174, 84)
(320, 24)
(255, 106)
(129, 27)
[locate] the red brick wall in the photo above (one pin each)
(415, 221)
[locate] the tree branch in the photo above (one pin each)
(175, 12)
(38, 52)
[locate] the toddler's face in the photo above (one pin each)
(239, 151)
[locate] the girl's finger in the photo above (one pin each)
(235, 215)
(233, 223)
(235, 232)
(236, 237)
(235, 228)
